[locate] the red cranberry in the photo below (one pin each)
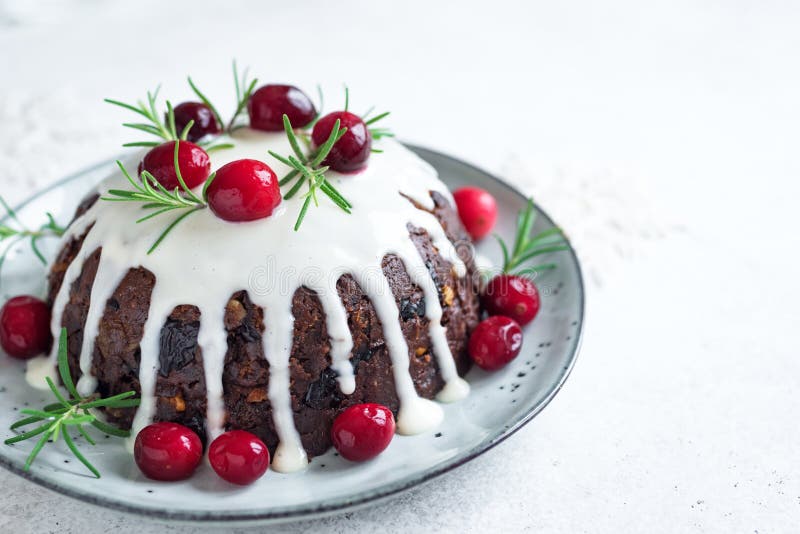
(239, 457)
(25, 327)
(363, 431)
(244, 190)
(268, 105)
(513, 296)
(205, 123)
(495, 342)
(350, 153)
(167, 451)
(193, 161)
(477, 210)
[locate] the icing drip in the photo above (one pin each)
(205, 260)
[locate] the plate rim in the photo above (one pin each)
(338, 505)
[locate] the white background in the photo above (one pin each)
(662, 135)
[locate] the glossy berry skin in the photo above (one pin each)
(363, 431)
(268, 104)
(25, 327)
(350, 153)
(205, 123)
(244, 190)
(495, 342)
(477, 210)
(193, 161)
(513, 296)
(167, 451)
(239, 457)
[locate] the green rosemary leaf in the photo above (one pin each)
(326, 147)
(27, 421)
(124, 398)
(148, 144)
(328, 188)
(157, 213)
(280, 158)
(78, 420)
(380, 133)
(209, 181)
(302, 215)
(527, 247)
(346, 99)
(128, 107)
(35, 452)
(376, 151)
(289, 177)
(86, 435)
(219, 146)
(148, 128)
(110, 430)
(169, 229)
(505, 251)
(36, 251)
(336, 200)
(63, 365)
(550, 232)
(57, 394)
(375, 119)
(127, 403)
(287, 126)
(539, 251)
(170, 120)
(36, 413)
(180, 176)
(10, 211)
(206, 101)
(185, 132)
(80, 456)
(295, 188)
(30, 434)
(58, 408)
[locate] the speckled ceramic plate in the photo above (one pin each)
(500, 403)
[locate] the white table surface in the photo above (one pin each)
(662, 135)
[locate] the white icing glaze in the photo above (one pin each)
(205, 260)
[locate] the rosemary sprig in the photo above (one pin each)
(158, 200)
(70, 411)
(307, 169)
(243, 92)
(22, 232)
(244, 89)
(378, 133)
(527, 247)
(155, 125)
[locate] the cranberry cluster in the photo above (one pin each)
(512, 301)
(170, 452)
(247, 190)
